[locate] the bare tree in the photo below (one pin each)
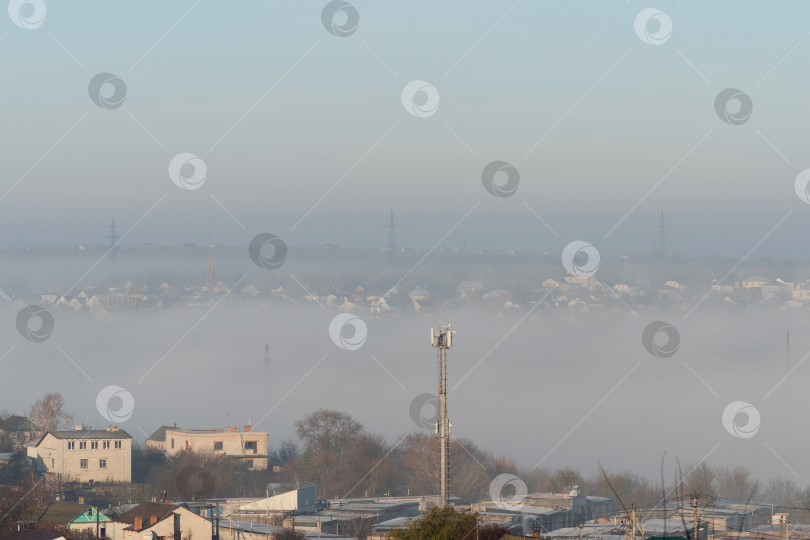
(370, 467)
(326, 429)
(470, 476)
(284, 454)
(49, 414)
(327, 436)
(419, 451)
(627, 486)
(700, 479)
(735, 484)
(782, 492)
(21, 503)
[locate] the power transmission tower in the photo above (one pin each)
(392, 232)
(210, 275)
(441, 337)
(113, 237)
(662, 237)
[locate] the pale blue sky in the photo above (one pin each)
(615, 115)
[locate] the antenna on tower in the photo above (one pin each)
(441, 337)
(392, 232)
(113, 237)
(662, 237)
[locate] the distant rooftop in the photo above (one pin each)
(61, 513)
(159, 435)
(109, 433)
(145, 511)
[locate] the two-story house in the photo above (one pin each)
(248, 445)
(82, 455)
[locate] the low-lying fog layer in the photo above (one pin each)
(554, 387)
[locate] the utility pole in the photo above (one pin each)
(580, 530)
(784, 532)
(695, 523)
(441, 337)
(216, 537)
(632, 522)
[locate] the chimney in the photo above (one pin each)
(177, 527)
(152, 520)
(138, 523)
(248, 428)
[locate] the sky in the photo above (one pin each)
(304, 133)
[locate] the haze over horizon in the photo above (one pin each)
(528, 126)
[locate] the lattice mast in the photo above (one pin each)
(441, 337)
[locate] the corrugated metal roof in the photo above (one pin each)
(63, 512)
(268, 529)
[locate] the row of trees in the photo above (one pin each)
(343, 459)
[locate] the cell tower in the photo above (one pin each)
(392, 232)
(441, 337)
(662, 237)
(113, 237)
